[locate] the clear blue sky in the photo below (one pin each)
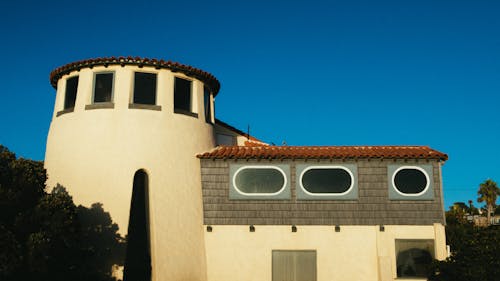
(304, 72)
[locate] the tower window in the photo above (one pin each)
(145, 88)
(182, 95)
(103, 87)
(207, 104)
(70, 95)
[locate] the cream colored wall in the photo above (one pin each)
(95, 153)
(238, 139)
(360, 253)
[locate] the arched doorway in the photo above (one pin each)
(138, 254)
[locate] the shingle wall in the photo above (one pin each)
(372, 207)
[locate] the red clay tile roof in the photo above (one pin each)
(323, 152)
(206, 77)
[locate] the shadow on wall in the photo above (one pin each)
(45, 236)
(101, 247)
(101, 241)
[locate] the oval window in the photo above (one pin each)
(411, 181)
(326, 180)
(259, 180)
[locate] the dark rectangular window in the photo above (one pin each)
(103, 87)
(182, 94)
(145, 88)
(294, 265)
(207, 103)
(70, 95)
(413, 257)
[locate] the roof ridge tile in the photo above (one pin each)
(322, 152)
(206, 77)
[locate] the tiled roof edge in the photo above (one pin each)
(199, 74)
(323, 152)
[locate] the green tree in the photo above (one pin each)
(55, 235)
(10, 253)
(457, 213)
(488, 193)
(22, 185)
(474, 255)
(101, 245)
(474, 250)
(44, 236)
(472, 210)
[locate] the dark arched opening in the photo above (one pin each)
(138, 255)
(413, 263)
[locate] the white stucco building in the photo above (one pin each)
(201, 200)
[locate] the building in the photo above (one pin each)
(482, 221)
(201, 200)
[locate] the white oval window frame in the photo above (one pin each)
(259, 167)
(411, 194)
(326, 167)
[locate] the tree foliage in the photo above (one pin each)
(475, 250)
(44, 236)
(488, 193)
(474, 254)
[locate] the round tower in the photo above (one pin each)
(125, 132)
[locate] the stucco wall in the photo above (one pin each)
(95, 153)
(229, 137)
(361, 253)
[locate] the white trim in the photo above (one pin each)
(259, 167)
(331, 168)
(413, 168)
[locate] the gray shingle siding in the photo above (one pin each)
(372, 207)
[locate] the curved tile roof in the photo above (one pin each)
(323, 152)
(199, 74)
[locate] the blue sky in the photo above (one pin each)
(303, 72)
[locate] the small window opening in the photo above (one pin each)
(145, 88)
(103, 87)
(70, 95)
(410, 181)
(326, 180)
(208, 108)
(182, 95)
(259, 180)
